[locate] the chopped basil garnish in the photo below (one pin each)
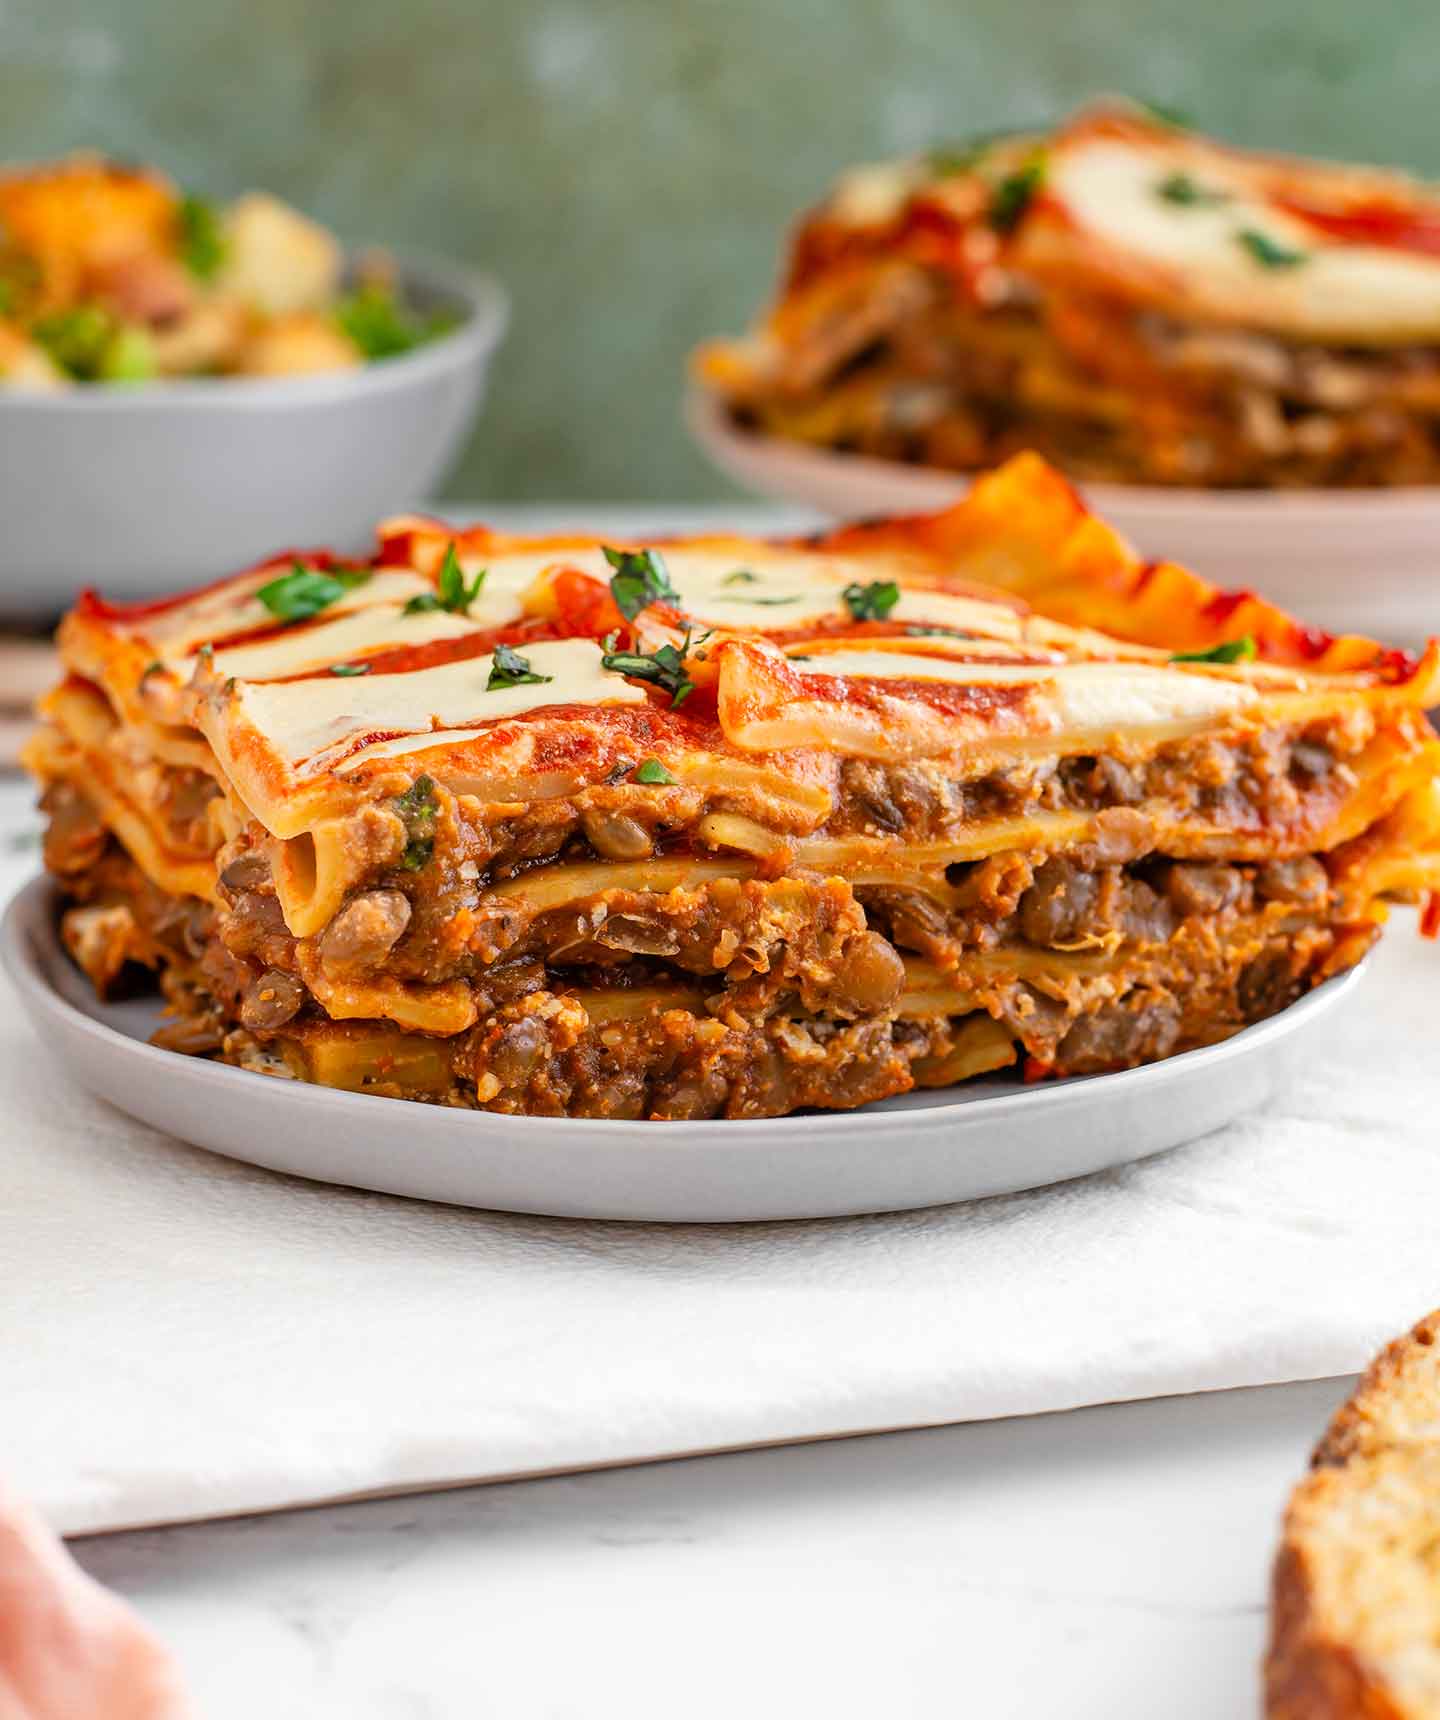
(937, 633)
(653, 773)
(871, 602)
(1268, 252)
(640, 579)
(304, 591)
(1188, 192)
(451, 593)
(349, 668)
(1240, 650)
(741, 576)
(418, 808)
(509, 669)
(664, 668)
(152, 668)
(1013, 195)
(767, 602)
(202, 237)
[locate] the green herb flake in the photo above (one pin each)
(452, 593)
(1240, 650)
(1013, 195)
(765, 602)
(418, 808)
(77, 339)
(741, 576)
(1268, 252)
(129, 356)
(202, 237)
(382, 327)
(349, 669)
(640, 579)
(937, 633)
(871, 602)
(153, 667)
(653, 774)
(509, 669)
(664, 668)
(305, 591)
(1184, 190)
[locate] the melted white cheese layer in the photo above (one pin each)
(789, 588)
(360, 633)
(233, 609)
(1087, 695)
(304, 719)
(1366, 294)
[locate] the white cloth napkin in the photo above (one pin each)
(183, 1337)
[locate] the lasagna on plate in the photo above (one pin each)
(1141, 305)
(723, 827)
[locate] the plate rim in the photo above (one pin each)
(31, 911)
(720, 438)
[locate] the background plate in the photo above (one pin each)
(1351, 561)
(923, 1149)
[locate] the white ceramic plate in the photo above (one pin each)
(924, 1149)
(1351, 561)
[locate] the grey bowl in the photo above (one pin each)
(149, 489)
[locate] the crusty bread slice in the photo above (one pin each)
(1355, 1606)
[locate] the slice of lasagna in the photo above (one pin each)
(727, 827)
(1136, 302)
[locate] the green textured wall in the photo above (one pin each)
(627, 167)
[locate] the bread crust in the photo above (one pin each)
(1355, 1551)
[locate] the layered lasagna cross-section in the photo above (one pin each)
(1136, 302)
(722, 827)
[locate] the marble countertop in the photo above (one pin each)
(1109, 1561)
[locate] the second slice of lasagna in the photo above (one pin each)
(726, 827)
